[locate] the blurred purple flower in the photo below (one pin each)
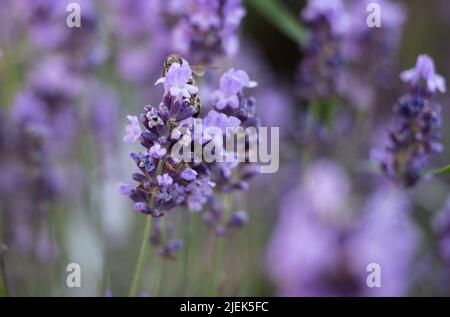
(139, 28)
(366, 75)
(386, 236)
(199, 191)
(169, 186)
(416, 130)
(169, 249)
(204, 15)
(425, 70)
(104, 110)
(238, 219)
(163, 181)
(321, 67)
(206, 29)
(332, 11)
(124, 189)
(314, 253)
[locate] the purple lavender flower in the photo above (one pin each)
(163, 181)
(424, 70)
(189, 174)
(157, 152)
(135, 41)
(124, 189)
(104, 112)
(206, 28)
(331, 11)
(360, 39)
(442, 228)
(416, 129)
(133, 130)
(45, 114)
(321, 66)
(230, 99)
(176, 81)
(369, 54)
(233, 110)
(199, 191)
(216, 120)
(231, 83)
(27, 150)
(325, 252)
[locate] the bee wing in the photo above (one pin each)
(200, 69)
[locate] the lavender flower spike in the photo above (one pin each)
(425, 70)
(331, 10)
(416, 130)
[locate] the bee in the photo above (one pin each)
(198, 70)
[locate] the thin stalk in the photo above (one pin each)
(144, 246)
(439, 171)
(3, 292)
(141, 259)
(219, 251)
(185, 269)
(2, 287)
(162, 263)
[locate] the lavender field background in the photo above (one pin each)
(364, 122)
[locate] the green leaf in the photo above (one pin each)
(439, 171)
(277, 14)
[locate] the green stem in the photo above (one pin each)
(219, 251)
(277, 14)
(162, 263)
(141, 260)
(2, 287)
(439, 171)
(162, 273)
(144, 246)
